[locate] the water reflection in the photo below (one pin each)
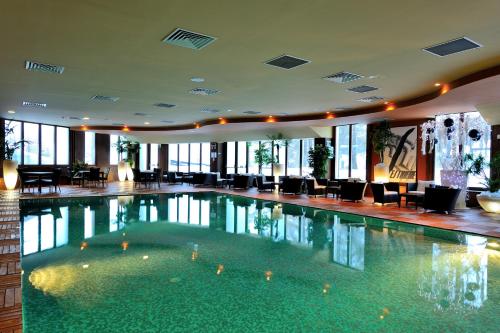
(452, 274)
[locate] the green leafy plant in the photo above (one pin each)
(382, 137)
(318, 157)
(263, 156)
(127, 146)
(278, 141)
(476, 165)
(78, 166)
(10, 146)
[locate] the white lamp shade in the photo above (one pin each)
(122, 171)
(10, 174)
(489, 201)
(277, 171)
(381, 173)
(277, 213)
(130, 173)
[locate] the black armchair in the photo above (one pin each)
(313, 188)
(263, 185)
(440, 199)
(353, 191)
(240, 182)
(386, 193)
(292, 185)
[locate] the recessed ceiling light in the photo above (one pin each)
(229, 110)
(147, 123)
(86, 118)
(11, 111)
(197, 79)
(437, 84)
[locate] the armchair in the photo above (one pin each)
(386, 193)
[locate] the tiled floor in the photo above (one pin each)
(470, 220)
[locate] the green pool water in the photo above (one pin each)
(207, 262)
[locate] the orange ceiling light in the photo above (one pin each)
(270, 119)
(222, 121)
(445, 88)
(125, 129)
(390, 107)
(84, 128)
(330, 115)
(196, 125)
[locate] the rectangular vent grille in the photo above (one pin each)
(370, 99)
(343, 77)
(189, 39)
(34, 104)
(164, 105)
(252, 112)
(287, 61)
(102, 98)
(209, 110)
(167, 121)
(39, 67)
(362, 89)
(203, 91)
(453, 46)
(141, 114)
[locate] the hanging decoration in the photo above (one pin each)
(428, 136)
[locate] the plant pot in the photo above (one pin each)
(130, 173)
(489, 201)
(10, 174)
(456, 179)
(381, 173)
(122, 170)
(277, 171)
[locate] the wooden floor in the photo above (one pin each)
(471, 220)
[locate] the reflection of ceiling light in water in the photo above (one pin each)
(54, 280)
(268, 275)
(83, 246)
(124, 246)
(326, 288)
(220, 269)
(85, 266)
(145, 257)
(194, 255)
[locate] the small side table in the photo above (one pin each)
(413, 197)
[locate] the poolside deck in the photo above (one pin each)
(471, 220)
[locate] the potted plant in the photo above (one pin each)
(132, 149)
(9, 165)
(318, 157)
(121, 148)
(489, 199)
(263, 156)
(382, 137)
(278, 141)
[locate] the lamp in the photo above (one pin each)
(122, 170)
(381, 173)
(277, 213)
(277, 171)
(10, 174)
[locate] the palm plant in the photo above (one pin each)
(278, 141)
(263, 156)
(11, 145)
(318, 157)
(476, 166)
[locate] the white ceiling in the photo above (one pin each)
(113, 47)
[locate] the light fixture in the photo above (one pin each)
(390, 107)
(197, 79)
(381, 173)
(437, 84)
(196, 125)
(11, 111)
(270, 119)
(84, 128)
(330, 115)
(85, 266)
(86, 118)
(268, 275)
(147, 123)
(222, 121)
(125, 128)
(444, 89)
(145, 257)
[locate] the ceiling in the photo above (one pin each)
(115, 48)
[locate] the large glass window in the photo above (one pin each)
(62, 145)
(113, 154)
(194, 161)
(172, 157)
(267, 170)
(230, 157)
(15, 136)
(90, 148)
(31, 148)
(306, 145)
(48, 144)
(143, 156)
(358, 151)
(154, 155)
(253, 167)
(342, 152)
(184, 157)
(242, 157)
(293, 160)
(205, 157)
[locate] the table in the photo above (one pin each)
(39, 175)
(333, 189)
(414, 197)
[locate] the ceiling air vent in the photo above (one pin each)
(75, 118)
(189, 39)
(362, 89)
(252, 112)
(343, 77)
(34, 104)
(453, 46)
(209, 110)
(102, 98)
(167, 121)
(39, 67)
(343, 108)
(164, 105)
(370, 99)
(203, 91)
(287, 61)
(117, 124)
(141, 114)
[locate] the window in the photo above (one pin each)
(205, 157)
(267, 170)
(113, 154)
(15, 136)
(342, 152)
(194, 153)
(172, 157)
(306, 145)
(230, 157)
(358, 151)
(143, 156)
(253, 167)
(31, 149)
(184, 157)
(48, 144)
(62, 147)
(154, 155)
(242, 157)
(90, 148)
(293, 160)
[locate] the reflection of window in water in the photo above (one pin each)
(46, 230)
(229, 216)
(172, 209)
(89, 222)
(458, 275)
(349, 244)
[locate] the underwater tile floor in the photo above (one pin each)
(469, 220)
